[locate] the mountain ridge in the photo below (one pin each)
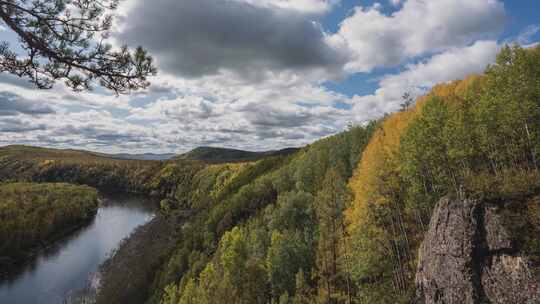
(223, 155)
(203, 153)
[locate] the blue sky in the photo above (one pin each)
(521, 14)
(266, 74)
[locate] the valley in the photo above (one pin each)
(436, 203)
(67, 269)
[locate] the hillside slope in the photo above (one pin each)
(343, 220)
(296, 234)
(33, 164)
(39, 152)
(477, 138)
(223, 155)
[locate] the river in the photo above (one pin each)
(68, 266)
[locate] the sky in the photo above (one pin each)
(266, 74)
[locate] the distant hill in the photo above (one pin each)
(223, 155)
(206, 154)
(21, 152)
(144, 156)
(49, 153)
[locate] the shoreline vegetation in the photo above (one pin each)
(35, 216)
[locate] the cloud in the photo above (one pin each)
(285, 111)
(12, 105)
(306, 6)
(15, 81)
(417, 78)
(13, 125)
(194, 38)
(525, 37)
(287, 116)
(223, 111)
(99, 133)
(247, 73)
(451, 65)
(395, 2)
(419, 27)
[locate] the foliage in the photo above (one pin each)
(34, 214)
(31, 164)
(127, 276)
(223, 155)
(256, 241)
(287, 255)
(332, 258)
(66, 39)
(476, 138)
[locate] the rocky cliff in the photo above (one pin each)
(480, 252)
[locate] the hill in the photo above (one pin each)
(31, 152)
(344, 219)
(205, 154)
(121, 172)
(22, 152)
(35, 164)
(224, 155)
(143, 156)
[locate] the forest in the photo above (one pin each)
(34, 215)
(341, 221)
(338, 221)
(475, 138)
(33, 164)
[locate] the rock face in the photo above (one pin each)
(468, 256)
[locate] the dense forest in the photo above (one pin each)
(258, 225)
(338, 221)
(31, 164)
(301, 230)
(223, 155)
(32, 215)
(476, 138)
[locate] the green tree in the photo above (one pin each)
(288, 253)
(190, 294)
(293, 212)
(303, 292)
(509, 112)
(332, 261)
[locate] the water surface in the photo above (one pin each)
(67, 267)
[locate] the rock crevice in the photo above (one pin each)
(468, 257)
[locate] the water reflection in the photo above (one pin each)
(67, 266)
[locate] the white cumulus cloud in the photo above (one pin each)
(307, 6)
(418, 28)
(418, 78)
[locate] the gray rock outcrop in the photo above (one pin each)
(469, 257)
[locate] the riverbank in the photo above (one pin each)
(11, 267)
(34, 216)
(65, 267)
(129, 274)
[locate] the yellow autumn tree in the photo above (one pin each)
(382, 237)
(379, 163)
(380, 159)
